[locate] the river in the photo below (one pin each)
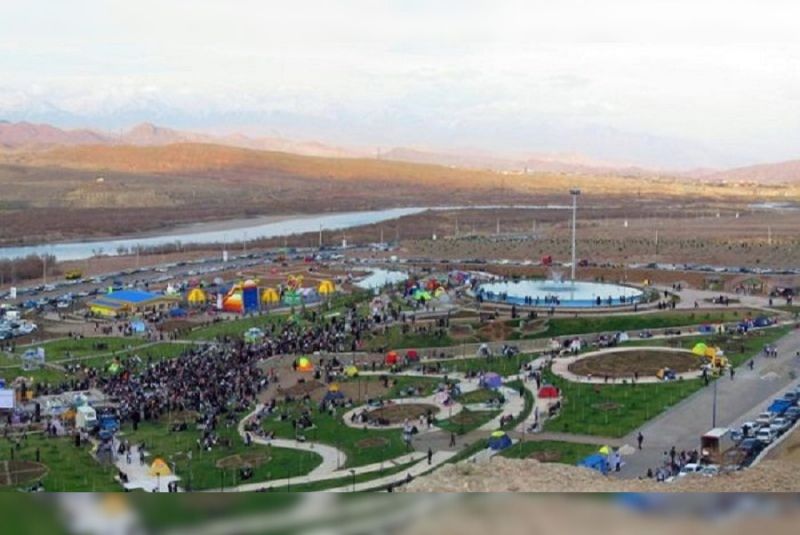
(236, 231)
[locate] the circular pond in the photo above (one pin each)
(554, 293)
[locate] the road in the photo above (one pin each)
(747, 394)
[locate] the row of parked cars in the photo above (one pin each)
(11, 328)
(779, 417)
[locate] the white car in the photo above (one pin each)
(765, 419)
(765, 435)
(690, 468)
(779, 425)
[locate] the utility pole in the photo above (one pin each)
(320, 236)
(574, 192)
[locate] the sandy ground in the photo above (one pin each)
(511, 475)
(541, 515)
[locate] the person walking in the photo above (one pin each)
(452, 440)
(640, 439)
(430, 456)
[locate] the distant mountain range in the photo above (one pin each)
(25, 137)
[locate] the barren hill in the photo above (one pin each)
(771, 173)
(528, 475)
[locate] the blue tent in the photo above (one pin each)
(333, 395)
(705, 329)
(597, 462)
(762, 321)
(177, 312)
(492, 380)
(499, 441)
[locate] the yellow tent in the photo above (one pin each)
(334, 387)
(605, 450)
(196, 297)
(351, 371)
(700, 349)
(269, 296)
(160, 468)
(326, 287)
(711, 352)
(439, 292)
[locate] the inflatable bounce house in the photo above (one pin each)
(196, 297)
(242, 298)
(270, 297)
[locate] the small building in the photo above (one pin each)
(131, 302)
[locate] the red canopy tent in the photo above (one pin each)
(412, 355)
(391, 357)
(548, 392)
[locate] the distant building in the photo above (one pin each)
(131, 302)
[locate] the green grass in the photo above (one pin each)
(501, 365)
(482, 395)
(395, 339)
(69, 348)
(466, 421)
(656, 320)
(615, 410)
(202, 469)
(570, 453)
(234, 328)
(387, 444)
(69, 468)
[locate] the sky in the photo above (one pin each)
(674, 84)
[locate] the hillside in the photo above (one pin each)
(248, 166)
(771, 173)
(511, 475)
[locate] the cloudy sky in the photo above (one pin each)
(673, 84)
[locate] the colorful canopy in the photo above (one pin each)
(326, 287)
(196, 297)
(269, 296)
(351, 371)
(159, 468)
(304, 365)
(700, 349)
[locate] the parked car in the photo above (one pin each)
(792, 414)
(765, 418)
(780, 425)
(766, 435)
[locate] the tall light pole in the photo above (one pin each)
(574, 192)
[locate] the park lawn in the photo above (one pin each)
(162, 514)
(613, 410)
(427, 385)
(202, 472)
(362, 446)
(634, 322)
(69, 348)
(69, 468)
(389, 470)
(503, 366)
(482, 395)
(562, 452)
(234, 328)
(466, 421)
(395, 339)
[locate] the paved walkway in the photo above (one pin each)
(749, 393)
(139, 473)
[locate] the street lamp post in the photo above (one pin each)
(574, 192)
